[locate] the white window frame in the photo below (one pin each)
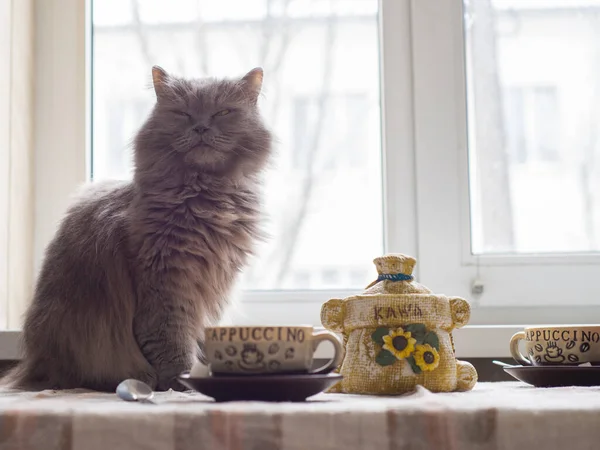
(423, 136)
(517, 289)
(62, 108)
(5, 55)
(16, 166)
(61, 133)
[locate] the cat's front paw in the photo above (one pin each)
(150, 378)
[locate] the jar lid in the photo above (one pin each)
(394, 264)
(394, 272)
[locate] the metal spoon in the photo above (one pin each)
(500, 363)
(135, 391)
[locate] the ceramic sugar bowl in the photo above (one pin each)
(398, 334)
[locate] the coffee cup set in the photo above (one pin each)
(562, 355)
(395, 334)
(263, 363)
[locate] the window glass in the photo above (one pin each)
(323, 193)
(533, 81)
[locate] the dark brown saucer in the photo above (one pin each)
(556, 376)
(266, 388)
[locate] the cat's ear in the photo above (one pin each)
(253, 83)
(160, 79)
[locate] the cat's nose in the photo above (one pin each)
(200, 129)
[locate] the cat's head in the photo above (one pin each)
(207, 125)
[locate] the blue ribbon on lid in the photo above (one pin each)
(394, 277)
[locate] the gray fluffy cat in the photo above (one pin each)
(137, 270)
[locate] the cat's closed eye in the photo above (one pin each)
(224, 112)
(183, 114)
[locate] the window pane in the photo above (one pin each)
(533, 74)
(321, 99)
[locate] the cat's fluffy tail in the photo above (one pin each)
(23, 376)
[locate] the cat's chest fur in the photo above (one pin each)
(195, 240)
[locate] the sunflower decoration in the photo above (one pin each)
(399, 343)
(427, 357)
(412, 342)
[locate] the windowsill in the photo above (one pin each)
(477, 341)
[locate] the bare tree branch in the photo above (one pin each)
(272, 66)
(140, 31)
(201, 43)
(289, 239)
(286, 32)
(267, 31)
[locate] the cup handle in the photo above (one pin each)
(514, 348)
(338, 356)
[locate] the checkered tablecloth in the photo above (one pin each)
(509, 416)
